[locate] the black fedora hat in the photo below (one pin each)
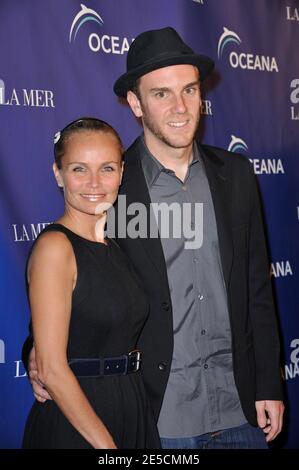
(155, 49)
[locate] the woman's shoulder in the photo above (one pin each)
(52, 246)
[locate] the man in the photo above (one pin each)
(210, 346)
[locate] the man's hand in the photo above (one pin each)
(39, 391)
(269, 417)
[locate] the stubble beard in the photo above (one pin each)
(154, 129)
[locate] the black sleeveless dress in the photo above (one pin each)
(109, 310)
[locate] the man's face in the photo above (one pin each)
(169, 105)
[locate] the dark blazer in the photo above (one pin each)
(245, 266)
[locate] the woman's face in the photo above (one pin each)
(91, 171)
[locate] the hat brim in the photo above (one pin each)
(127, 80)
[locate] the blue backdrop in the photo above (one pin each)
(59, 60)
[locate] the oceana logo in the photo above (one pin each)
(227, 37)
(237, 144)
(84, 15)
(243, 60)
(109, 44)
(261, 166)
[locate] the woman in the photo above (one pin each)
(87, 308)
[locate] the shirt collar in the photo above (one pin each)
(152, 168)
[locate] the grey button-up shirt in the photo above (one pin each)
(201, 394)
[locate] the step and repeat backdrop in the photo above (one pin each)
(59, 60)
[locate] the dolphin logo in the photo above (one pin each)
(237, 144)
(84, 15)
(226, 37)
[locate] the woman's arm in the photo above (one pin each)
(52, 277)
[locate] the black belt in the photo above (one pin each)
(121, 365)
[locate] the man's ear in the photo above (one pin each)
(134, 104)
(57, 175)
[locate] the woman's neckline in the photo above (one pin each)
(83, 238)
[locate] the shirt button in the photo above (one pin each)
(165, 306)
(162, 366)
(200, 297)
(206, 366)
(184, 187)
(203, 332)
(195, 260)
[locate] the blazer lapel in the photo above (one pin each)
(135, 188)
(217, 171)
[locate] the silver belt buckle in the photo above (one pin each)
(137, 360)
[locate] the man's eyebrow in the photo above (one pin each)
(196, 82)
(160, 89)
(188, 85)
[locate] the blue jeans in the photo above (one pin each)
(241, 437)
